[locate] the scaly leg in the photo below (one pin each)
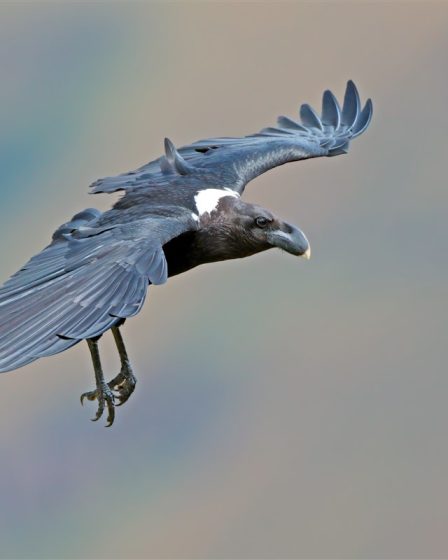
(103, 393)
(124, 383)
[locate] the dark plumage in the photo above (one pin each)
(179, 211)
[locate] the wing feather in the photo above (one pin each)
(331, 112)
(233, 162)
(363, 120)
(92, 276)
(286, 122)
(309, 117)
(352, 104)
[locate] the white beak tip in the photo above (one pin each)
(307, 254)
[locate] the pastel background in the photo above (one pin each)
(285, 409)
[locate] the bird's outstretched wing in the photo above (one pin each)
(91, 276)
(233, 162)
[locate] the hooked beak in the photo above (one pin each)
(290, 239)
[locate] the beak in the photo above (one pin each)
(290, 239)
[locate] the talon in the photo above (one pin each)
(116, 392)
(90, 396)
(99, 413)
(104, 396)
(123, 385)
(110, 418)
(110, 410)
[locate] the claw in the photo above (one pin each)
(120, 388)
(104, 396)
(123, 386)
(110, 410)
(90, 396)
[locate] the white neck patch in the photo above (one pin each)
(207, 200)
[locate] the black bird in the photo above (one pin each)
(179, 211)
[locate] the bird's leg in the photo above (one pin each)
(124, 383)
(102, 393)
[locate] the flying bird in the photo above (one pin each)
(177, 212)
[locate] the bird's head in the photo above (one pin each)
(240, 229)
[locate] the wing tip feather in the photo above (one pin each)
(173, 161)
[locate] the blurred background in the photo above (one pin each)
(285, 408)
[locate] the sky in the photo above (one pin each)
(284, 408)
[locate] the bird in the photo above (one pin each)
(176, 212)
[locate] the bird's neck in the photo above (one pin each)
(207, 245)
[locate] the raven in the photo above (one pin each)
(177, 212)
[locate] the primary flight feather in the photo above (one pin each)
(177, 212)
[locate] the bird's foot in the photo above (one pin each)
(123, 385)
(105, 397)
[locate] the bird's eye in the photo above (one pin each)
(261, 221)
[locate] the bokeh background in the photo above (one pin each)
(285, 409)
